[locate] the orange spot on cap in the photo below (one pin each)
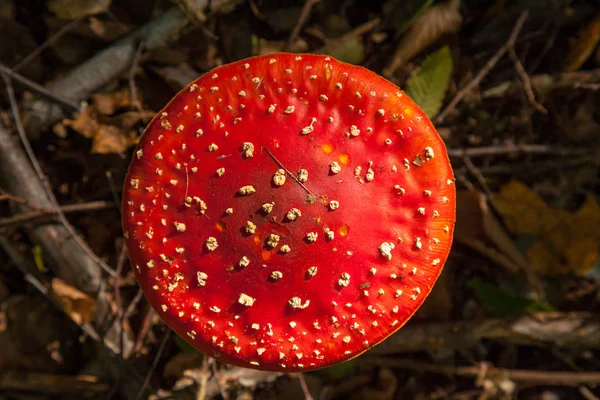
(220, 226)
(344, 158)
(344, 229)
(327, 148)
(266, 254)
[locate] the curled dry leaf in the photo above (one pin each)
(110, 135)
(435, 22)
(80, 307)
(479, 229)
(565, 242)
(109, 103)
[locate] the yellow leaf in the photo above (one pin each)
(584, 46)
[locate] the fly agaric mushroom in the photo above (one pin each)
(288, 212)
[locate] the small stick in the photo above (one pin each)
(475, 152)
(287, 171)
(304, 386)
(486, 69)
(42, 91)
(526, 81)
(565, 378)
(36, 216)
(51, 40)
(134, 64)
(216, 374)
(304, 14)
(161, 348)
(203, 381)
(16, 199)
(38, 169)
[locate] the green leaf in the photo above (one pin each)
(499, 302)
(427, 85)
(342, 370)
(185, 346)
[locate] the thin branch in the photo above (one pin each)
(38, 169)
(565, 378)
(163, 344)
(134, 64)
(29, 272)
(41, 215)
(486, 69)
(42, 91)
(526, 81)
(304, 14)
(51, 40)
(513, 149)
(288, 171)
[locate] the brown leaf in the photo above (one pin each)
(565, 242)
(108, 103)
(80, 307)
(479, 229)
(73, 9)
(435, 22)
(109, 134)
(112, 139)
(85, 123)
(584, 46)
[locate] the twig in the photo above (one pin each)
(202, 382)
(40, 215)
(304, 386)
(104, 67)
(480, 178)
(485, 70)
(587, 393)
(29, 272)
(526, 81)
(42, 91)
(40, 174)
(17, 199)
(161, 348)
(217, 377)
(304, 14)
(590, 86)
(575, 331)
(288, 171)
(513, 149)
(117, 293)
(134, 64)
(544, 83)
(565, 378)
(354, 33)
(51, 40)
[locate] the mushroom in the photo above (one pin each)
(264, 267)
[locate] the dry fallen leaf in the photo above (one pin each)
(109, 134)
(478, 228)
(73, 9)
(564, 242)
(108, 103)
(80, 307)
(435, 22)
(584, 46)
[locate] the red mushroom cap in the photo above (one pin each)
(288, 212)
